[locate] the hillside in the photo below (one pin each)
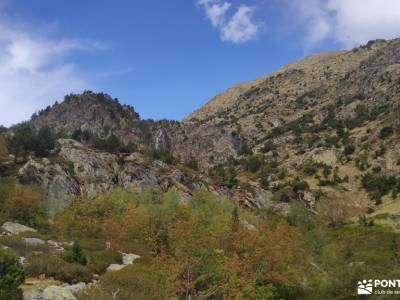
(286, 187)
(328, 119)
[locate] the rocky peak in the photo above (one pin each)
(95, 112)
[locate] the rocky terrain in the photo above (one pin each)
(326, 111)
(312, 148)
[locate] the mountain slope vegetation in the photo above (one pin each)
(286, 187)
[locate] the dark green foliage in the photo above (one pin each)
(22, 141)
(225, 174)
(253, 163)
(300, 185)
(283, 194)
(386, 132)
(276, 131)
(193, 164)
(311, 168)
(363, 221)
(380, 152)
(25, 140)
(244, 148)
(112, 144)
(45, 141)
(379, 185)
(100, 260)
(365, 114)
(163, 155)
(128, 148)
(56, 267)
(77, 255)
(327, 170)
(268, 146)
(11, 276)
(349, 149)
(300, 216)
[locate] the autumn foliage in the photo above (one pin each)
(3, 148)
(201, 249)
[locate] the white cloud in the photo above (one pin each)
(350, 22)
(240, 27)
(237, 28)
(215, 11)
(34, 72)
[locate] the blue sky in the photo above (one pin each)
(167, 57)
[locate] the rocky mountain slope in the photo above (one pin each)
(327, 120)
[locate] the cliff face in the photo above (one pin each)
(331, 110)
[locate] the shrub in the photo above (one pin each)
(139, 281)
(3, 148)
(253, 163)
(163, 155)
(282, 195)
(380, 152)
(45, 141)
(349, 149)
(378, 185)
(300, 185)
(11, 276)
(300, 216)
(310, 169)
(23, 141)
(100, 260)
(386, 132)
(19, 245)
(193, 164)
(56, 267)
(77, 255)
(24, 204)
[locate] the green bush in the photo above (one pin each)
(56, 267)
(163, 155)
(379, 185)
(19, 245)
(26, 140)
(386, 132)
(45, 141)
(253, 163)
(299, 185)
(142, 281)
(380, 152)
(100, 260)
(349, 149)
(193, 164)
(11, 276)
(76, 255)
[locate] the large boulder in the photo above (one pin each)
(34, 241)
(16, 228)
(326, 157)
(95, 170)
(56, 180)
(54, 292)
(129, 258)
(74, 288)
(115, 267)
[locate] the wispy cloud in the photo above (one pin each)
(35, 71)
(349, 22)
(237, 28)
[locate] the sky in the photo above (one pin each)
(167, 58)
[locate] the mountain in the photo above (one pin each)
(286, 187)
(324, 122)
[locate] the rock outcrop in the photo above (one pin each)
(81, 170)
(16, 228)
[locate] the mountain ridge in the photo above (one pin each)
(328, 119)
